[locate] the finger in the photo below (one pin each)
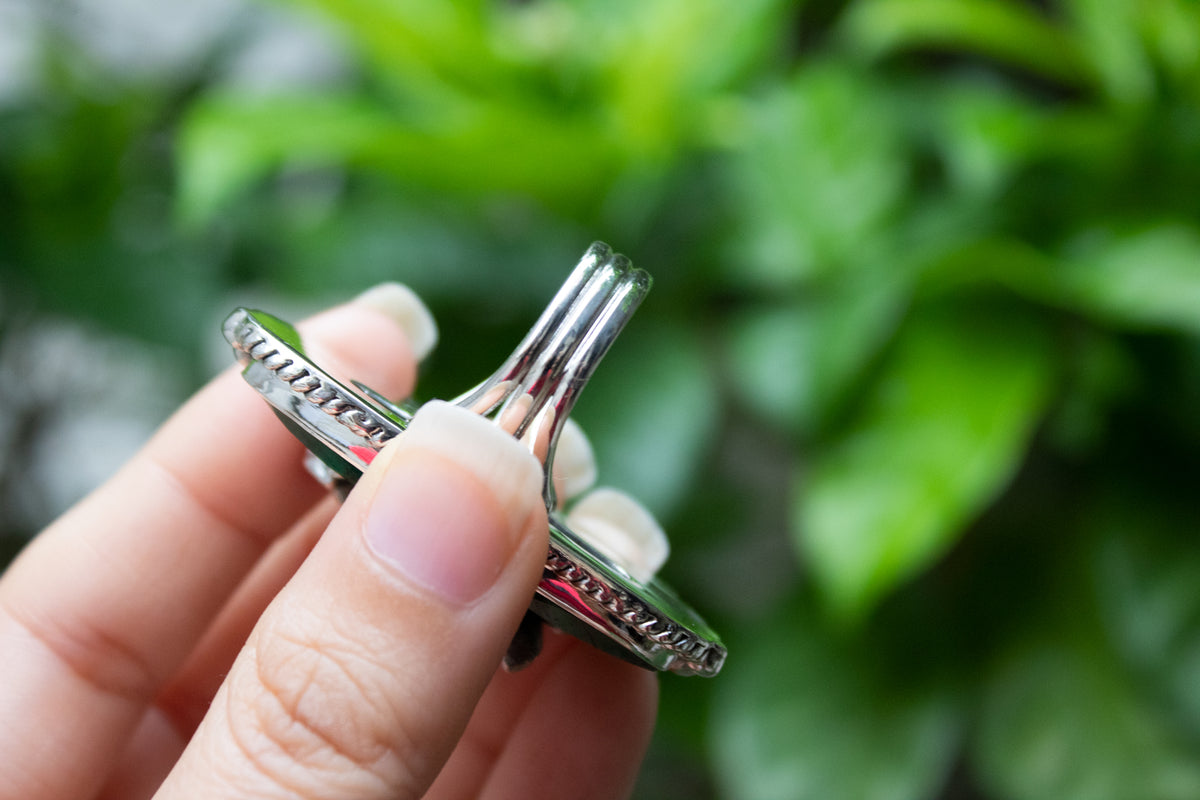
(169, 723)
(106, 604)
(574, 463)
(186, 698)
(497, 713)
(363, 672)
(608, 708)
(575, 718)
(620, 527)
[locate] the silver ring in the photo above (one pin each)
(582, 592)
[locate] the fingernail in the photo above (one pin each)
(401, 304)
(574, 462)
(623, 529)
(453, 502)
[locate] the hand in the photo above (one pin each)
(210, 624)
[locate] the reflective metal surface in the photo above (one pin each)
(581, 592)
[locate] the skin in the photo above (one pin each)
(210, 624)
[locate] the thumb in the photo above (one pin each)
(360, 677)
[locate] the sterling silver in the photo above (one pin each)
(582, 592)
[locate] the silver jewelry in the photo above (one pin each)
(582, 592)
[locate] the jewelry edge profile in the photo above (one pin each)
(632, 622)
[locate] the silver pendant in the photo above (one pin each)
(582, 592)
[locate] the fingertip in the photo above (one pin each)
(574, 462)
(616, 524)
(401, 304)
(360, 342)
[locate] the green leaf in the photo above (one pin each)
(1099, 373)
(1149, 277)
(799, 717)
(229, 143)
(1142, 278)
(410, 43)
(1146, 572)
(663, 61)
(1110, 40)
(1060, 720)
(985, 134)
(651, 412)
(1172, 32)
(795, 364)
(816, 173)
(939, 435)
(1009, 31)
(989, 136)
(992, 138)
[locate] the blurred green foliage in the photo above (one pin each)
(915, 393)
